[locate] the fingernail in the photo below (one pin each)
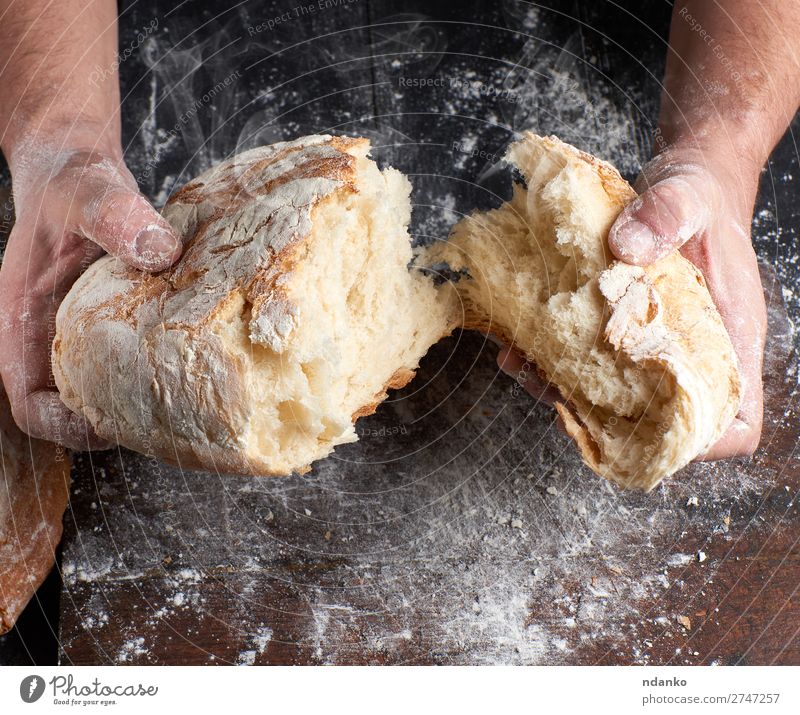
(634, 242)
(155, 244)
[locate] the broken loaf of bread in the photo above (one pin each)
(289, 315)
(293, 310)
(645, 368)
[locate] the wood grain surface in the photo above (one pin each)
(482, 541)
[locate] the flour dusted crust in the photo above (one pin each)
(34, 491)
(258, 350)
(640, 355)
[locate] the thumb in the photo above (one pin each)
(663, 218)
(122, 222)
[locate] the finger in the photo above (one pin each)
(26, 327)
(662, 219)
(744, 434)
(123, 223)
(43, 415)
(514, 365)
(729, 265)
(740, 439)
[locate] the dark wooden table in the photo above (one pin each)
(462, 527)
(469, 534)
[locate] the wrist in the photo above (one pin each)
(52, 134)
(727, 149)
(744, 137)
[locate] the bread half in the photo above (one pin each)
(290, 314)
(640, 356)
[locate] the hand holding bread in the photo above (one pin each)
(290, 314)
(700, 203)
(72, 204)
(60, 133)
(645, 370)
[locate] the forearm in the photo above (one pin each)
(733, 75)
(58, 79)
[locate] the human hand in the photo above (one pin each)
(701, 203)
(72, 203)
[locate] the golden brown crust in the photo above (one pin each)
(617, 189)
(34, 492)
(400, 378)
(577, 432)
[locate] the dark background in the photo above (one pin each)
(586, 71)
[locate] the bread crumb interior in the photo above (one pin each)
(359, 312)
